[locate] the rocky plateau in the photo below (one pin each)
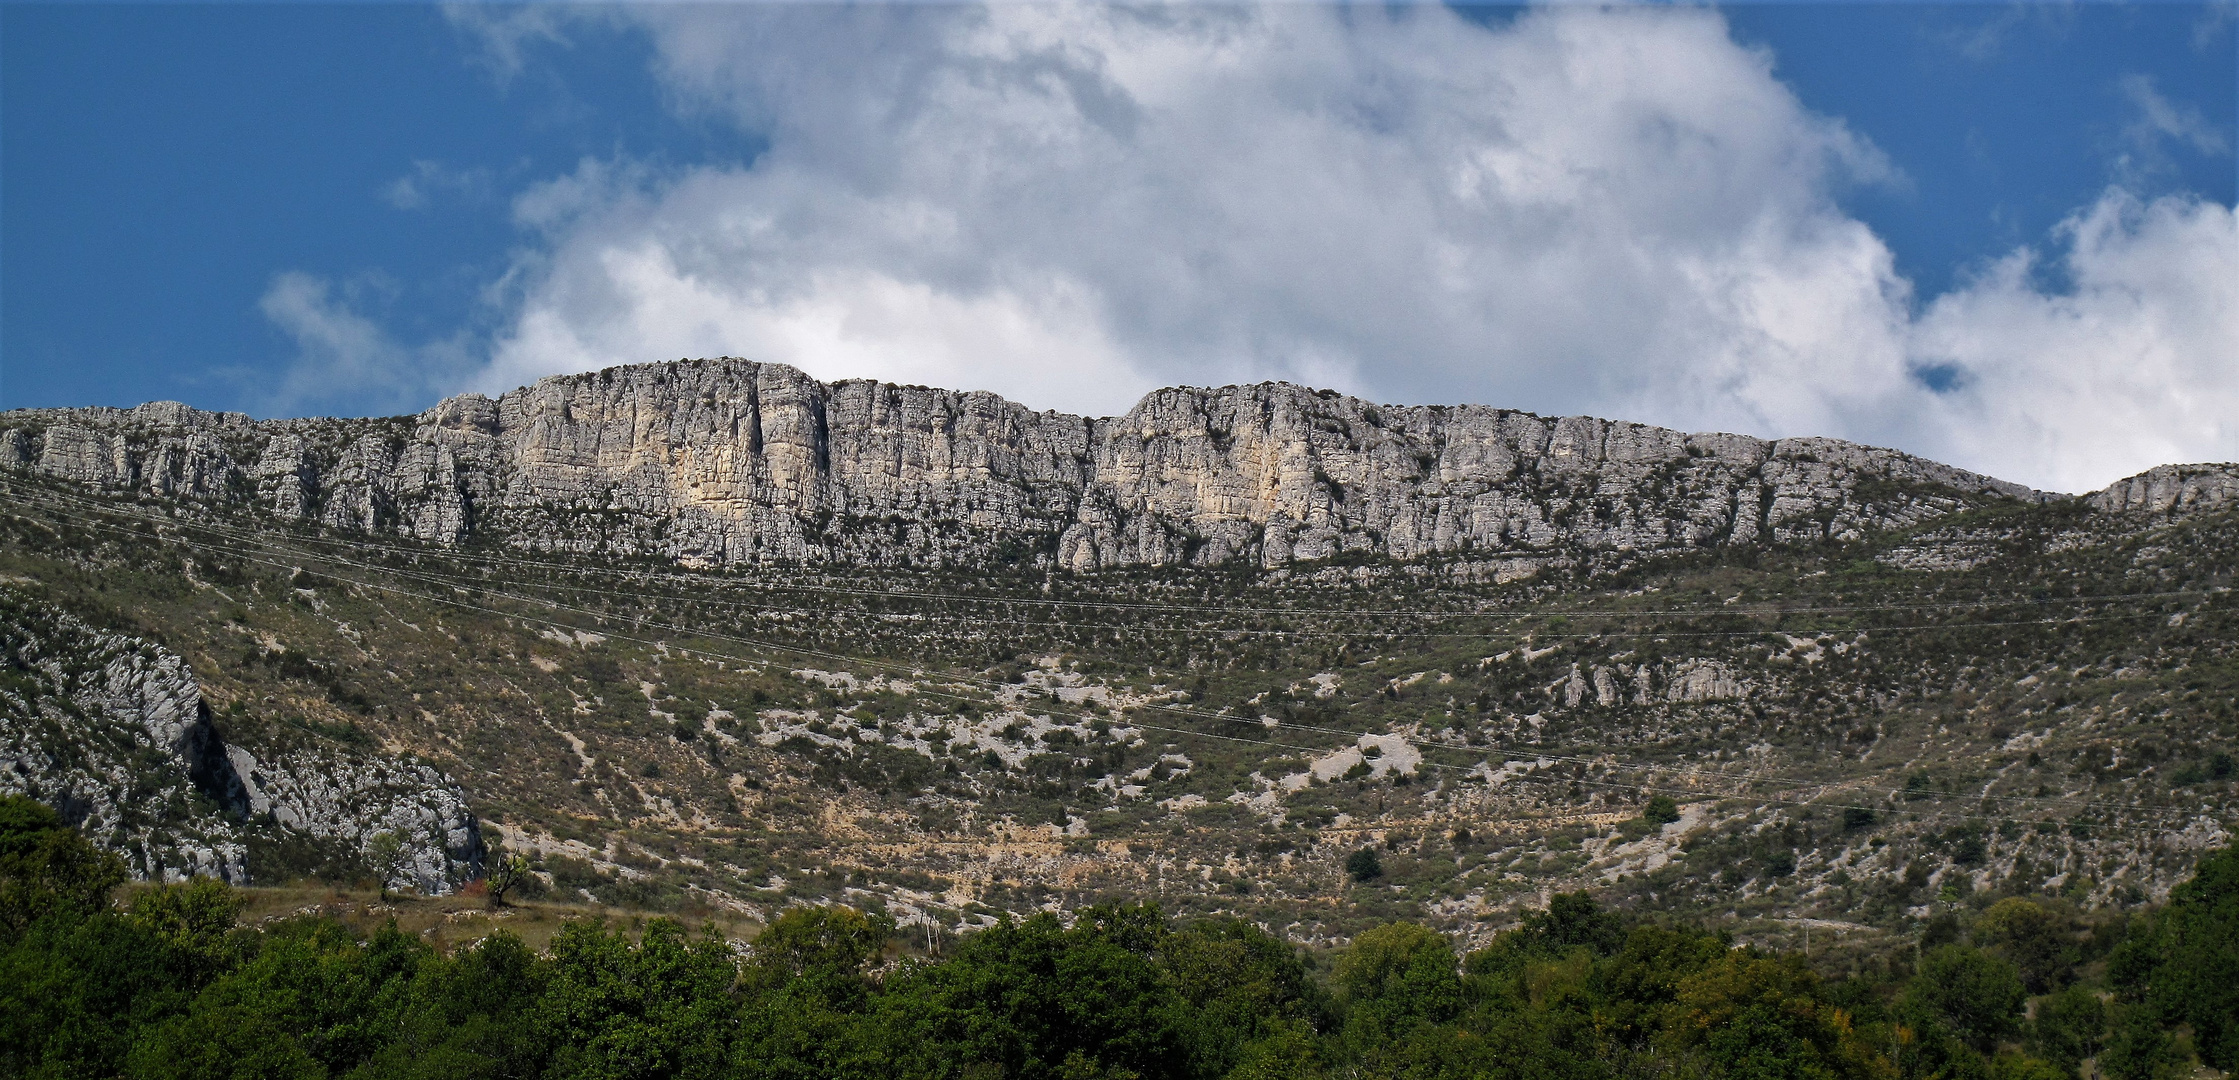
(727, 462)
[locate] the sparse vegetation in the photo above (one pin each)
(1758, 735)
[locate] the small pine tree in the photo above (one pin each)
(1363, 865)
(1661, 810)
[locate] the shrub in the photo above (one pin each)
(1661, 810)
(1364, 865)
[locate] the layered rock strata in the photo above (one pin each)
(112, 731)
(2172, 490)
(724, 462)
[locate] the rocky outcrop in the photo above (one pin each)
(725, 462)
(286, 478)
(112, 731)
(1680, 682)
(351, 800)
(2172, 490)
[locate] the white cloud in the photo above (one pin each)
(508, 34)
(343, 356)
(1580, 210)
(2136, 364)
(2155, 123)
(414, 189)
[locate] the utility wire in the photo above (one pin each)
(996, 689)
(799, 586)
(467, 584)
(1287, 633)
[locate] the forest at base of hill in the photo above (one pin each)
(167, 985)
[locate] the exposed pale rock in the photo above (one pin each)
(195, 466)
(353, 800)
(84, 454)
(1605, 687)
(725, 462)
(111, 730)
(1703, 680)
(287, 481)
(2172, 490)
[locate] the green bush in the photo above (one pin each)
(47, 867)
(1661, 810)
(1364, 865)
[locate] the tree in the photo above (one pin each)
(506, 873)
(228, 1043)
(1661, 810)
(1023, 998)
(472, 1017)
(1975, 996)
(826, 947)
(385, 856)
(1748, 1015)
(2138, 1048)
(1570, 921)
(1241, 983)
(2012, 1066)
(46, 867)
(2198, 979)
(1363, 865)
(2069, 1027)
(1396, 977)
(2039, 940)
(194, 918)
(74, 989)
(659, 1008)
(1288, 1052)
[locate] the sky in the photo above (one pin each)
(1999, 235)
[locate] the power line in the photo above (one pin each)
(465, 584)
(798, 586)
(1285, 633)
(995, 689)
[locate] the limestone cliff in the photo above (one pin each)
(2172, 490)
(112, 731)
(716, 462)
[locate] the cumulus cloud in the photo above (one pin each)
(1617, 211)
(2135, 364)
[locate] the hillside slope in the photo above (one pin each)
(1918, 689)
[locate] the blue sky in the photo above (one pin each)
(1892, 222)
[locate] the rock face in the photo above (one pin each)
(352, 800)
(112, 731)
(2172, 490)
(723, 462)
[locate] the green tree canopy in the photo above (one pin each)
(2184, 962)
(2036, 937)
(1973, 995)
(46, 867)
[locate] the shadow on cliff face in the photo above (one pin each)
(209, 769)
(113, 730)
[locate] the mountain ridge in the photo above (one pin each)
(731, 462)
(2010, 697)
